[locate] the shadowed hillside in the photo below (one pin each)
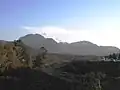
(72, 78)
(27, 79)
(109, 70)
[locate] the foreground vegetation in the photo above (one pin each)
(21, 71)
(72, 76)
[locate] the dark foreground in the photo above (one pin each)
(31, 79)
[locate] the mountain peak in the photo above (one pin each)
(86, 42)
(83, 43)
(33, 35)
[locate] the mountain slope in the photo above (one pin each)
(79, 48)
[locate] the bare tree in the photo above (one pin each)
(43, 52)
(38, 62)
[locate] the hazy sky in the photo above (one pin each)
(97, 21)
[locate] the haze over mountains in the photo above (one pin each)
(77, 48)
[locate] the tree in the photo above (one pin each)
(17, 42)
(43, 52)
(119, 56)
(38, 62)
(110, 56)
(106, 57)
(114, 56)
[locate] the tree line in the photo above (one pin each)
(114, 56)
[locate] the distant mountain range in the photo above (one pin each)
(36, 41)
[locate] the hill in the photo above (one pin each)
(76, 48)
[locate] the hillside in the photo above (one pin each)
(77, 48)
(57, 71)
(67, 77)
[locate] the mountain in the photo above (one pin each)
(78, 48)
(32, 40)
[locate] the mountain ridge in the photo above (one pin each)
(35, 41)
(77, 48)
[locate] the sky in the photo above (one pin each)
(97, 21)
